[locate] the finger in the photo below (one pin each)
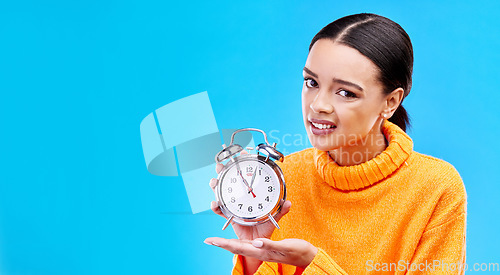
(236, 246)
(284, 210)
(273, 251)
(281, 250)
(266, 244)
(219, 167)
(213, 184)
(215, 207)
(228, 243)
(243, 152)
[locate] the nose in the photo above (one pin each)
(322, 103)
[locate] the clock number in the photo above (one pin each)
(233, 180)
(229, 190)
(233, 199)
(260, 172)
(249, 169)
(260, 206)
(240, 205)
(270, 189)
(250, 209)
(267, 178)
(267, 198)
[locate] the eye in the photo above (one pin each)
(311, 83)
(346, 93)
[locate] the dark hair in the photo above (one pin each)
(385, 43)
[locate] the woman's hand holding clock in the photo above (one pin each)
(253, 241)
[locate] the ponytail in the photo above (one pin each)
(400, 118)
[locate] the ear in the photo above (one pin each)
(392, 101)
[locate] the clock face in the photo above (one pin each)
(246, 198)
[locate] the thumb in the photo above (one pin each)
(264, 243)
(284, 210)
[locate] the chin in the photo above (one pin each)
(321, 143)
(325, 147)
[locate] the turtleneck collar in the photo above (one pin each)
(372, 171)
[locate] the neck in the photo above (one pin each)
(363, 150)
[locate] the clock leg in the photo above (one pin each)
(227, 222)
(273, 221)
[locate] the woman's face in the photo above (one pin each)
(342, 98)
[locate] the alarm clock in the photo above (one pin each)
(251, 187)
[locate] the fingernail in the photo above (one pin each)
(257, 243)
(207, 242)
(213, 183)
(216, 244)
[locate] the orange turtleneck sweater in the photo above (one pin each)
(400, 212)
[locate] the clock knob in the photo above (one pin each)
(228, 152)
(270, 151)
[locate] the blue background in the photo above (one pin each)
(77, 77)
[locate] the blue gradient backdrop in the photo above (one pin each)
(77, 77)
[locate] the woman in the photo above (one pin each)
(363, 200)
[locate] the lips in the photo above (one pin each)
(321, 121)
(322, 131)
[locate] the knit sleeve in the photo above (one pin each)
(322, 264)
(264, 268)
(238, 265)
(441, 249)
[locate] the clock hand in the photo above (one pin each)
(253, 177)
(250, 190)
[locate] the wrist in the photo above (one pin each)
(250, 265)
(309, 256)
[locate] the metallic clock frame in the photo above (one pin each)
(228, 153)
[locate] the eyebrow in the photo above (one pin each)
(336, 80)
